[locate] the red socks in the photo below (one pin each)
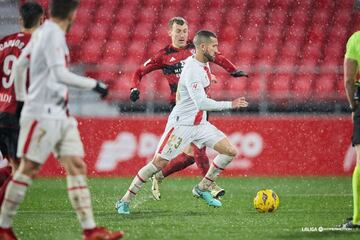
(201, 159)
(183, 161)
(5, 173)
(177, 164)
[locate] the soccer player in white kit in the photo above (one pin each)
(187, 124)
(45, 123)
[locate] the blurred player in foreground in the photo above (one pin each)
(45, 123)
(352, 88)
(11, 47)
(188, 123)
(171, 61)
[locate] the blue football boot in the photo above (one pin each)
(206, 195)
(122, 207)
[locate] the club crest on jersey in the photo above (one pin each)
(172, 59)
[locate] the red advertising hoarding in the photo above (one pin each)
(270, 146)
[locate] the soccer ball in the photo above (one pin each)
(266, 201)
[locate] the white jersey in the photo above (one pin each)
(192, 101)
(47, 97)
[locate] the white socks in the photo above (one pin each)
(80, 199)
(79, 195)
(218, 165)
(14, 195)
(142, 176)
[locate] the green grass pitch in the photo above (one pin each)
(305, 204)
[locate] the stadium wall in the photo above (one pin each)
(270, 146)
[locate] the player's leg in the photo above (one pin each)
(203, 163)
(354, 222)
(71, 152)
(210, 136)
(182, 161)
(80, 199)
(35, 144)
(171, 144)
(13, 162)
(14, 166)
(226, 153)
(190, 155)
(356, 189)
(78, 190)
(5, 174)
(178, 163)
(15, 192)
(8, 151)
(201, 159)
(122, 206)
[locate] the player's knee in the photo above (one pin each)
(29, 168)
(14, 164)
(160, 162)
(74, 165)
(79, 165)
(232, 152)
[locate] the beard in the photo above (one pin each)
(208, 56)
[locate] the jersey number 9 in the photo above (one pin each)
(8, 79)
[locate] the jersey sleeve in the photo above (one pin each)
(225, 63)
(352, 48)
(55, 52)
(198, 95)
(19, 72)
(150, 65)
(63, 75)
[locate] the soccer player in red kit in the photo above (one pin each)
(171, 61)
(11, 47)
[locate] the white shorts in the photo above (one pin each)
(177, 137)
(39, 138)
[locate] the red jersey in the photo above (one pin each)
(10, 49)
(171, 61)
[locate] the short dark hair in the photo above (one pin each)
(62, 8)
(30, 13)
(203, 35)
(178, 20)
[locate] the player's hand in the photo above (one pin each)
(239, 73)
(101, 88)
(134, 94)
(239, 103)
(19, 106)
